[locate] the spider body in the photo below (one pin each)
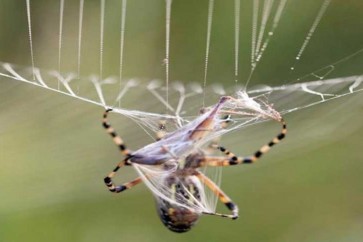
(176, 158)
(183, 185)
(185, 188)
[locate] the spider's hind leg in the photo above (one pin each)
(221, 195)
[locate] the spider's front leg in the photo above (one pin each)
(232, 159)
(119, 142)
(112, 187)
(115, 137)
(123, 187)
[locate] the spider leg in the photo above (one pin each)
(111, 186)
(121, 145)
(124, 186)
(116, 138)
(221, 195)
(232, 159)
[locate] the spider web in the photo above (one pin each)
(179, 102)
(184, 104)
(183, 108)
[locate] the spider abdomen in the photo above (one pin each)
(183, 190)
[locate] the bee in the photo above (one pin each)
(170, 166)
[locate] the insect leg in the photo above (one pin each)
(232, 159)
(116, 138)
(220, 194)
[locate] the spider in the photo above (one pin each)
(176, 150)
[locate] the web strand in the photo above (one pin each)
(80, 25)
(275, 24)
(265, 16)
(255, 11)
(311, 32)
(61, 14)
(122, 42)
(30, 35)
(122, 37)
(102, 23)
(167, 47)
(237, 10)
(209, 31)
(260, 42)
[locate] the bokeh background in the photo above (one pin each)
(54, 152)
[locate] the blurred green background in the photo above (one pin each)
(54, 152)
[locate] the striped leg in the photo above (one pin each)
(116, 138)
(221, 195)
(232, 159)
(119, 142)
(111, 186)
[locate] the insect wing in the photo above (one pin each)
(179, 144)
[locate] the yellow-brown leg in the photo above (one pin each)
(111, 186)
(232, 159)
(124, 186)
(121, 145)
(116, 138)
(220, 194)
